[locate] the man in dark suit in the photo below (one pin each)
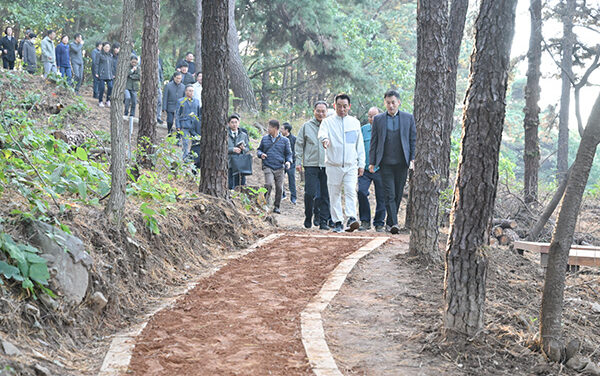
(8, 46)
(237, 143)
(392, 149)
(291, 172)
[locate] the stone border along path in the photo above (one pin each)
(116, 361)
(313, 335)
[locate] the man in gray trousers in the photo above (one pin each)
(75, 51)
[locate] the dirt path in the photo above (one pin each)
(244, 320)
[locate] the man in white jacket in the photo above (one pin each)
(344, 157)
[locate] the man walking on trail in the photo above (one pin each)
(49, 53)
(237, 144)
(291, 172)
(8, 48)
(187, 119)
(276, 154)
(341, 136)
(364, 183)
(189, 60)
(187, 77)
(75, 51)
(310, 154)
(29, 55)
(174, 90)
(94, 55)
(392, 149)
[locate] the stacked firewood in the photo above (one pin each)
(503, 232)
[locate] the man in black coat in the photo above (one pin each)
(393, 139)
(291, 172)
(8, 47)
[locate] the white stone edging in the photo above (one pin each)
(311, 322)
(116, 360)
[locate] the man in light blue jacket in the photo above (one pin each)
(341, 136)
(75, 51)
(49, 53)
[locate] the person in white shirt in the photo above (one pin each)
(344, 161)
(198, 88)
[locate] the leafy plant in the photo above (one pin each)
(24, 265)
(150, 217)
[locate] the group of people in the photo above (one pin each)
(338, 156)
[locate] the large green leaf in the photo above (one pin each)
(39, 273)
(32, 258)
(10, 271)
(81, 154)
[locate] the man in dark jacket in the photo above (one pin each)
(276, 154)
(187, 78)
(8, 47)
(63, 59)
(187, 117)
(189, 60)
(171, 94)
(75, 51)
(22, 42)
(237, 143)
(291, 172)
(115, 53)
(392, 149)
(104, 73)
(131, 87)
(94, 55)
(29, 56)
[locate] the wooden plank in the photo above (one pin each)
(532, 246)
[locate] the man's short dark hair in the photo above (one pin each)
(320, 102)
(76, 36)
(176, 74)
(287, 126)
(391, 93)
(188, 53)
(342, 96)
(274, 123)
(32, 35)
(98, 43)
(184, 64)
(233, 116)
(116, 45)
(133, 58)
(189, 86)
(6, 29)
(105, 43)
(48, 32)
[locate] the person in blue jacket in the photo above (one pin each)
(187, 118)
(276, 154)
(63, 59)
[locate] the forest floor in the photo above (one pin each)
(386, 319)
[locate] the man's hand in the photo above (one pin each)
(361, 171)
(237, 150)
(371, 169)
(287, 165)
(326, 143)
(263, 156)
(299, 168)
(411, 166)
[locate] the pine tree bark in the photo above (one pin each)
(240, 83)
(475, 191)
(568, 41)
(264, 91)
(554, 283)
(198, 47)
(531, 152)
(432, 26)
(215, 97)
(456, 27)
(149, 81)
(118, 156)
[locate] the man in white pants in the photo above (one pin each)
(344, 157)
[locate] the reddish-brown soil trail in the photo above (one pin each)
(245, 319)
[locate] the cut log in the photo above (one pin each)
(504, 240)
(497, 231)
(493, 242)
(505, 223)
(512, 235)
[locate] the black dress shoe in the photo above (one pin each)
(323, 226)
(307, 223)
(276, 211)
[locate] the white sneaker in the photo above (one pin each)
(107, 103)
(100, 104)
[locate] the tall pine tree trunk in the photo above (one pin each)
(149, 80)
(198, 47)
(554, 283)
(215, 97)
(475, 190)
(432, 26)
(456, 27)
(264, 91)
(240, 83)
(531, 152)
(118, 156)
(568, 40)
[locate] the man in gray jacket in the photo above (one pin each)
(49, 53)
(310, 154)
(75, 51)
(174, 90)
(29, 56)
